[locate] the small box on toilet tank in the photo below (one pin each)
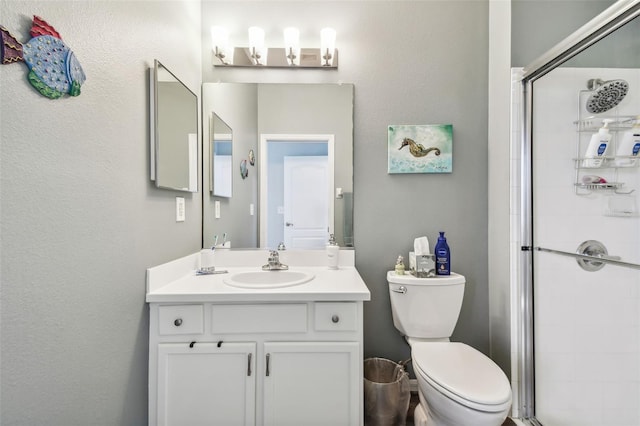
(422, 266)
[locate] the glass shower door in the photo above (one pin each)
(586, 308)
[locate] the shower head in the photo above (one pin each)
(606, 94)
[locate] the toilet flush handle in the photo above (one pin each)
(402, 289)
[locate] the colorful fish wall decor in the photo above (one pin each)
(54, 70)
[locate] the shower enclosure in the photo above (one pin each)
(579, 340)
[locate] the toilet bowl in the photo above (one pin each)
(458, 385)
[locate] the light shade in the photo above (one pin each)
(256, 45)
(219, 36)
(327, 45)
(220, 43)
(292, 45)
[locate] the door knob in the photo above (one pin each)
(288, 224)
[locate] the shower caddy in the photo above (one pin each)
(586, 126)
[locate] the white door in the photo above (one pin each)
(206, 384)
(307, 196)
(311, 384)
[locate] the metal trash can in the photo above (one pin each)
(386, 392)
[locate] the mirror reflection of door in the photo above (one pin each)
(306, 201)
(296, 190)
(222, 166)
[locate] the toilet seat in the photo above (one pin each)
(463, 374)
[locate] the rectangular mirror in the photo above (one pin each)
(221, 149)
(174, 132)
(282, 196)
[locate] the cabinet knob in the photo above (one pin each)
(178, 322)
(335, 319)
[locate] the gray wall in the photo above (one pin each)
(81, 221)
(538, 25)
(412, 62)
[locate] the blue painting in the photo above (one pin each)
(420, 148)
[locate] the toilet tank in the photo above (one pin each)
(426, 308)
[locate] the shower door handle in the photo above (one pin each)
(595, 249)
(607, 257)
(592, 256)
(594, 252)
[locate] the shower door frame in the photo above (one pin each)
(601, 26)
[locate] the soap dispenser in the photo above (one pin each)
(443, 256)
(333, 250)
(598, 146)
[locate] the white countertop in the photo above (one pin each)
(177, 282)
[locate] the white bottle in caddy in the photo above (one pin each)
(598, 146)
(629, 146)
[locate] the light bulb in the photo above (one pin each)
(292, 45)
(327, 45)
(256, 45)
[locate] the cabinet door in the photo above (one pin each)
(311, 383)
(206, 384)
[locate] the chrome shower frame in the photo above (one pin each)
(601, 26)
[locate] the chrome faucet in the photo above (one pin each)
(273, 263)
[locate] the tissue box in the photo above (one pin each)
(422, 266)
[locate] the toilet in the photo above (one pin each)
(458, 385)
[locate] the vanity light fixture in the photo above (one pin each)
(258, 55)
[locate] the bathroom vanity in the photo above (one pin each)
(266, 355)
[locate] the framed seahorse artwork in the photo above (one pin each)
(420, 148)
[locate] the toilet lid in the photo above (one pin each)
(462, 373)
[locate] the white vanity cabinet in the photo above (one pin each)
(260, 363)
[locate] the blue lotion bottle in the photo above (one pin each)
(443, 256)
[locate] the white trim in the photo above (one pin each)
(499, 161)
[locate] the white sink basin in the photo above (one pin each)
(267, 279)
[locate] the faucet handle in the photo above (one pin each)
(281, 246)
